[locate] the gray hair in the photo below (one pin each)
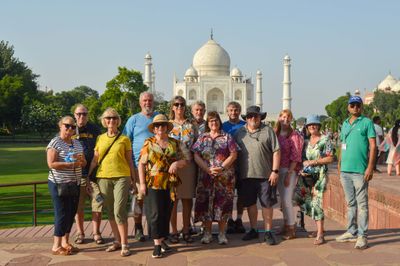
(234, 104)
(201, 103)
(145, 93)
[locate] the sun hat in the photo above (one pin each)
(160, 119)
(313, 119)
(355, 99)
(254, 109)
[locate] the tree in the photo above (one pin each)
(337, 109)
(387, 105)
(17, 87)
(41, 118)
(123, 92)
(68, 99)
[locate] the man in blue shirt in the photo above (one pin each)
(233, 110)
(356, 168)
(137, 131)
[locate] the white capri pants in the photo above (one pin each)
(286, 195)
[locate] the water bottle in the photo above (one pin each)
(99, 198)
(70, 158)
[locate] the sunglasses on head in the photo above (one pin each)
(81, 114)
(249, 116)
(352, 105)
(179, 104)
(159, 124)
(111, 118)
(68, 126)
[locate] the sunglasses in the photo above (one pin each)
(179, 104)
(160, 124)
(352, 105)
(81, 114)
(250, 116)
(69, 126)
(111, 118)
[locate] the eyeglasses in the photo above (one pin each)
(69, 126)
(250, 116)
(352, 105)
(111, 118)
(81, 114)
(213, 121)
(159, 124)
(179, 104)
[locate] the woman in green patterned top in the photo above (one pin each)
(160, 158)
(318, 153)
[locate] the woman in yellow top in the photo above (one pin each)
(115, 176)
(160, 158)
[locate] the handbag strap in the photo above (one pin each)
(108, 149)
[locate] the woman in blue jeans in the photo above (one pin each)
(65, 160)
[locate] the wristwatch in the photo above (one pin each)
(276, 171)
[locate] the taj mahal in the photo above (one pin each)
(210, 79)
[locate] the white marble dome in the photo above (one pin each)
(396, 87)
(388, 82)
(236, 72)
(191, 72)
(212, 60)
(147, 56)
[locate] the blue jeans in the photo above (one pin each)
(356, 193)
(64, 211)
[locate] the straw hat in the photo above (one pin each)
(158, 119)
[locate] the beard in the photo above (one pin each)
(147, 110)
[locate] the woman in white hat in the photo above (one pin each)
(159, 161)
(318, 154)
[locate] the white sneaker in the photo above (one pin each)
(222, 240)
(346, 237)
(362, 243)
(207, 238)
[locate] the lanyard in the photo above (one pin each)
(352, 127)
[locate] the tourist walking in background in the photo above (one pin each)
(356, 168)
(393, 145)
(379, 140)
(115, 175)
(136, 130)
(198, 111)
(86, 134)
(185, 132)
(65, 160)
(160, 159)
(215, 152)
(291, 146)
(233, 110)
(318, 153)
(258, 162)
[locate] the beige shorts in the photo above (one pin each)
(96, 206)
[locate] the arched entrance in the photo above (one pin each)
(215, 100)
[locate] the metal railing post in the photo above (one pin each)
(34, 206)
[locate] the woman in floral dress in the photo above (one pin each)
(317, 154)
(214, 152)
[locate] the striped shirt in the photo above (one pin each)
(62, 148)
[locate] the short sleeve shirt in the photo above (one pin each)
(379, 133)
(355, 138)
(256, 151)
(185, 133)
(114, 163)
(291, 149)
(157, 161)
(231, 128)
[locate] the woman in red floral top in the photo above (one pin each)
(291, 144)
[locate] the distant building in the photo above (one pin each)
(388, 84)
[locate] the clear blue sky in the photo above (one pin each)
(335, 46)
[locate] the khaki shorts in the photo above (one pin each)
(96, 206)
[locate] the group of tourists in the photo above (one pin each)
(162, 161)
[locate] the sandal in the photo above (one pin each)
(187, 237)
(319, 240)
(98, 239)
(71, 248)
(125, 252)
(174, 238)
(79, 239)
(61, 251)
(114, 247)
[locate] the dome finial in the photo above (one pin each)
(211, 35)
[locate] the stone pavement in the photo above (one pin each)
(384, 249)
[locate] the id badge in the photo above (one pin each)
(343, 146)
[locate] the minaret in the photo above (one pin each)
(286, 99)
(259, 101)
(153, 80)
(147, 72)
